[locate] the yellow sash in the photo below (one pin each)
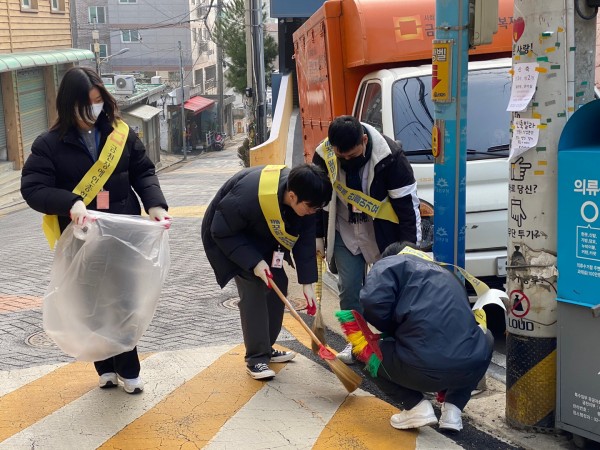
(269, 204)
(480, 287)
(368, 205)
(95, 178)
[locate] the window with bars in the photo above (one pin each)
(127, 1)
(130, 36)
(97, 14)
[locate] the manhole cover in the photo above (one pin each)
(297, 303)
(40, 340)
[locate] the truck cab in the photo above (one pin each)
(397, 102)
(370, 58)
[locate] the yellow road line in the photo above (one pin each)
(196, 411)
(186, 211)
(361, 422)
(40, 398)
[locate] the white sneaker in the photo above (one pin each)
(420, 416)
(450, 419)
(346, 355)
(108, 380)
(132, 385)
(278, 356)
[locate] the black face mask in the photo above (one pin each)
(354, 163)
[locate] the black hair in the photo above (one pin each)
(396, 247)
(311, 184)
(345, 133)
(73, 99)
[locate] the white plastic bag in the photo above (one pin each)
(105, 283)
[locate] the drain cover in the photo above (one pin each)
(297, 303)
(40, 340)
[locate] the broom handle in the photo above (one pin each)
(295, 313)
(319, 286)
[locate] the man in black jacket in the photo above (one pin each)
(248, 224)
(368, 168)
(434, 343)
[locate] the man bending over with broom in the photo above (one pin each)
(255, 220)
(434, 343)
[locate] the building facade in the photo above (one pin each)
(35, 51)
(152, 32)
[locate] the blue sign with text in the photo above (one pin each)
(579, 208)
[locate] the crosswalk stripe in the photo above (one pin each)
(25, 406)
(362, 421)
(199, 398)
(196, 411)
(91, 416)
(288, 412)
(11, 380)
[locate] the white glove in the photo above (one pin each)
(311, 301)
(78, 212)
(320, 244)
(159, 214)
(263, 272)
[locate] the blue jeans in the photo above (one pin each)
(351, 274)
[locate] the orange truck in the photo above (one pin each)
(372, 59)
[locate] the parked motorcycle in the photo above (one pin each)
(219, 141)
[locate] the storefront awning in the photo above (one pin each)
(144, 112)
(25, 60)
(198, 104)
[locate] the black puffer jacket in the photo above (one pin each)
(236, 236)
(426, 309)
(56, 165)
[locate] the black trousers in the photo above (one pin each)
(406, 384)
(261, 313)
(127, 365)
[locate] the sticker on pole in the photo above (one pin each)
(520, 304)
(441, 71)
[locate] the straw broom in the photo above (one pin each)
(346, 375)
(318, 326)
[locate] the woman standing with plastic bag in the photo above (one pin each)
(91, 157)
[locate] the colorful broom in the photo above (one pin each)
(364, 342)
(345, 374)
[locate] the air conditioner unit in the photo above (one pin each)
(107, 80)
(156, 79)
(124, 84)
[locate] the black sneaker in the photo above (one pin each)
(260, 371)
(277, 356)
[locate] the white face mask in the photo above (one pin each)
(97, 109)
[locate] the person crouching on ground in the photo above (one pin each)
(434, 342)
(259, 215)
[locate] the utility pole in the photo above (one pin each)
(220, 81)
(183, 143)
(544, 49)
(250, 88)
(74, 30)
(96, 45)
(259, 71)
